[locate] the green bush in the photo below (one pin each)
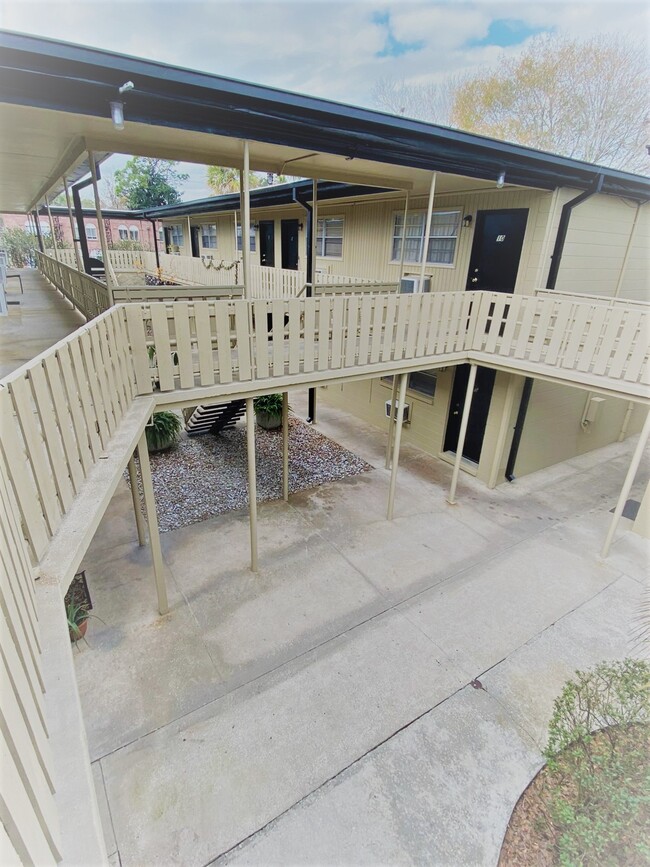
(598, 792)
(269, 403)
(164, 430)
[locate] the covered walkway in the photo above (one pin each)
(321, 711)
(41, 317)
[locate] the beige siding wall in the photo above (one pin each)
(368, 235)
(595, 249)
(553, 433)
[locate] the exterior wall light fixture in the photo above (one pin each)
(117, 114)
(467, 221)
(501, 180)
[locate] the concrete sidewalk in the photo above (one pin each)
(321, 712)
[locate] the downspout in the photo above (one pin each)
(155, 240)
(556, 260)
(79, 217)
(37, 225)
(311, 410)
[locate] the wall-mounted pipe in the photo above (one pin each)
(554, 270)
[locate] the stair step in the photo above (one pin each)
(213, 418)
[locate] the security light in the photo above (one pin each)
(117, 114)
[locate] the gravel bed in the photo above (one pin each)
(207, 475)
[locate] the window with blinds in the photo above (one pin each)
(441, 247)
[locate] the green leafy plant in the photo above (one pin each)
(163, 431)
(77, 615)
(597, 796)
(269, 403)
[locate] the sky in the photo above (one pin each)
(337, 49)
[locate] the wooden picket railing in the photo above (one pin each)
(88, 294)
(223, 342)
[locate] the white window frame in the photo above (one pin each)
(253, 247)
(134, 233)
(123, 232)
(399, 215)
(177, 236)
(205, 227)
(321, 236)
(417, 393)
(91, 231)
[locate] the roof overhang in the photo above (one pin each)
(54, 101)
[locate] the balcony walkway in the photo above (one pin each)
(321, 711)
(40, 319)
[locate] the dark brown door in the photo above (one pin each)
(478, 414)
(195, 237)
(289, 239)
(496, 251)
(267, 243)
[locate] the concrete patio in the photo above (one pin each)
(321, 711)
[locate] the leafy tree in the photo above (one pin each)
(21, 247)
(148, 183)
(587, 100)
(582, 99)
(223, 180)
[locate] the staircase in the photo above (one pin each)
(214, 417)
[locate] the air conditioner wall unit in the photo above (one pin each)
(409, 285)
(407, 411)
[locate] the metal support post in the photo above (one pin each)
(152, 524)
(245, 207)
(285, 446)
(252, 480)
(427, 229)
(627, 485)
(391, 422)
(403, 377)
(135, 494)
(451, 499)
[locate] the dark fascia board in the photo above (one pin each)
(67, 77)
(109, 213)
(264, 197)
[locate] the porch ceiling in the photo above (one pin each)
(37, 145)
(54, 97)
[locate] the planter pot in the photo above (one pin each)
(83, 626)
(163, 447)
(269, 420)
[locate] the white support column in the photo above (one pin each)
(504, 426)
(252, 480)
(391, 422)
(49, 217)
(427, 228)
(75, 243)
(398, 437)
(627, 485)
(314, 233)
(626, 257)
(152, 524)
(101, 229)
(245, 202)
(403, 245)
(189, 236)
(285, 446)
(135, 495)
(451, 499)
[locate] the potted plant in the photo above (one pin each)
(163, 430)
(268, 411)
(78, 616)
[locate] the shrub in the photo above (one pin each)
(270, 403)
(598, 792)
(164, 430)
